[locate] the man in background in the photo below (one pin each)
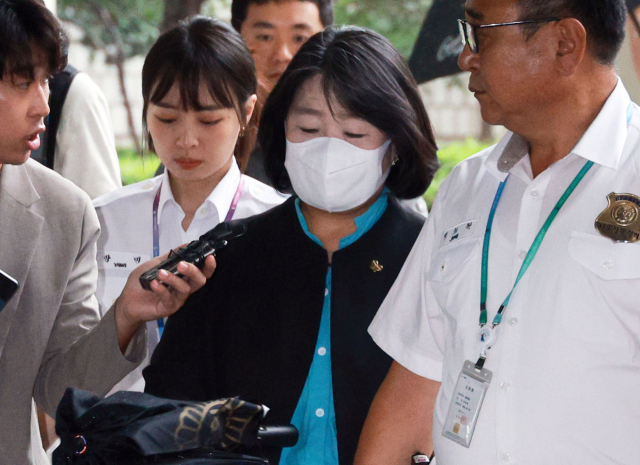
(274, 31)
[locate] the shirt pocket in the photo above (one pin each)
(450, 272)
(609, 298)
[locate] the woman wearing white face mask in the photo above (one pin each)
(346, 128)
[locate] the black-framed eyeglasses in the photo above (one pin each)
(468, 30)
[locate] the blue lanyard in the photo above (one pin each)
(533, 250)
(489, 334)
(156, 227)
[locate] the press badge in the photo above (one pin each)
(466, 402)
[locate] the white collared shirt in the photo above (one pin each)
(126, 238)
(566, 364)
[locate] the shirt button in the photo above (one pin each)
(535, 194)
(326, 292)
(256, 191)
(148, 186)
(322, 351)
(505, 387)
(607, 265)
(204, 210)
(319, 413)
(513, 321)
(522, 255)
(505, 457)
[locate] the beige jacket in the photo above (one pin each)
(51, 335)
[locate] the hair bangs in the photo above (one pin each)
(30, 36)
(190, 75)
(351, 79)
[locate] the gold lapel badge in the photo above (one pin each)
(620, 221)
(375, 266)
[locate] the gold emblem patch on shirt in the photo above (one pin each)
(620, 221)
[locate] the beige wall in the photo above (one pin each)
(625, 67)
(52, 5)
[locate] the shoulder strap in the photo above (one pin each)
(59, 88)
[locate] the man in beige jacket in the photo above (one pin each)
(51, 336)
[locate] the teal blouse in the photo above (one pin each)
(315, 415)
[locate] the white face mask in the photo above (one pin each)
(334, 175)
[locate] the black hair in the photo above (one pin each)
(604, 21)
(239, 10)
(365, 74)
(26, 28)
(200, 50)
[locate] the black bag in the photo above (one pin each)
(133, 428)
(58, 90)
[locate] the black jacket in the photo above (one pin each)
(251, 330)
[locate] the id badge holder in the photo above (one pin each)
(466, 403)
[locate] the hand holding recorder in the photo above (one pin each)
(171, 278)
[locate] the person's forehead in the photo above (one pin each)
(284, 14)
(310, 100)
(38, 64)
(40, 72)
(491, 11)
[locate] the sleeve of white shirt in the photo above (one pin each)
(409, 324)
(85, 143)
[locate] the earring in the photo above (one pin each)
(395, 160)
(242, 130)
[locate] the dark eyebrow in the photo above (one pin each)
(165, 105)
(268, 25)
(475, 14)
(209, 108)
(173, 107)
(306, 111)
(263, 25)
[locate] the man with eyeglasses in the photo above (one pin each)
(514, 324)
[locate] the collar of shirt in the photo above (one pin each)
(363, 222)
(220, 198)
(602, 143)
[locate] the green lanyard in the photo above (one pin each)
(489, 335)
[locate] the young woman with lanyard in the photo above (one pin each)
(346, 128)
(198, 86)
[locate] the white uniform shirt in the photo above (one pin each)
(126, 239)
(566, 363)
(85, 145)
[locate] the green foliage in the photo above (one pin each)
(135, 167)
(399, 21)
(450, 156)
(136, 21)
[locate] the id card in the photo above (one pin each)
(466, 403)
